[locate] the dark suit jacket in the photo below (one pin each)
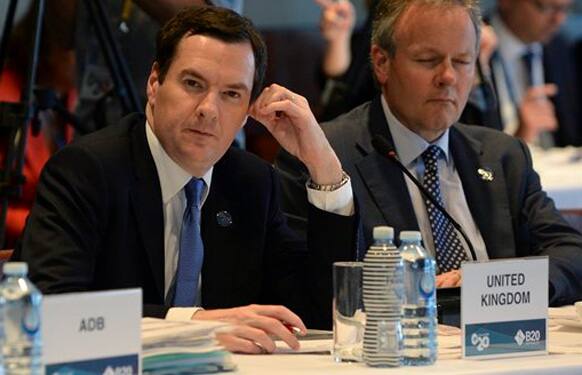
(560, 69)
(97, 224)
(514, 215)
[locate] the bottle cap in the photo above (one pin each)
(410, 235)
(383, 233)
(15, 268)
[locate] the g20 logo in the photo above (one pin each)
(480, 341)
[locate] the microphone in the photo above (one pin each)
(384, 148)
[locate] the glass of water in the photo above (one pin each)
(349, 317)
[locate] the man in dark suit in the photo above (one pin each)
(534, 73)
(423, 57)
(121, 207)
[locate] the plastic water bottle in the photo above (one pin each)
(22, 345)
(382, 284)
(419, 317)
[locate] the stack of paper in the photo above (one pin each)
(171, 347)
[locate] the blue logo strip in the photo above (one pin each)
(102, 366)
(519, 336)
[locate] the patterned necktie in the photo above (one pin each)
(449, 250)
(191, 248)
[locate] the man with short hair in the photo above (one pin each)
(162, 203)
(423, 56)
(534, 73)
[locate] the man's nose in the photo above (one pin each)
(208, 106)
(446, 74)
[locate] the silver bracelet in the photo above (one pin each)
(332, 187)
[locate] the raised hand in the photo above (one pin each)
(537, 112)
(289, 119)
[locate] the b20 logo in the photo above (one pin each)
(532, 336)
(480, 340)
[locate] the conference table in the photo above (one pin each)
(560, 171)
(565, 357)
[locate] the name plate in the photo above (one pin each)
(504, 308)
(92, 333)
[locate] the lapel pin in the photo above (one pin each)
(224, 219)
(486, 174)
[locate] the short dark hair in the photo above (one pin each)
(220, 23)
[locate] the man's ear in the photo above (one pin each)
(380, 63)
(153, 83)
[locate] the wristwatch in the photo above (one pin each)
(332, 187)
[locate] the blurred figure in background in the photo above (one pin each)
(534, 73)
(346, 60)
(482, 107)
(56, 77)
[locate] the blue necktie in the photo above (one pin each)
(528, 60)
(191, 248)
(449, 250)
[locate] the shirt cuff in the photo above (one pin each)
(181, 313)
(339, 202)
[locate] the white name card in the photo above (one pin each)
(92, 333)
(504, 308)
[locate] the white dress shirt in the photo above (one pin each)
(173, 178)
(409, 148)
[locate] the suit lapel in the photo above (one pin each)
(147, 203)
(487, 199)
(382, 178)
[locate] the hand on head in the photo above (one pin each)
(255, 327)
(289, 119)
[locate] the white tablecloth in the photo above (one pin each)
(561, 340)
(560, 171)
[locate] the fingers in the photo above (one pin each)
(449, 279)
(323, 3)
(276, 101)
(243, 338)
(537, 112)
(282, 314)
(255, 327)
(541, 91)
(275, 328)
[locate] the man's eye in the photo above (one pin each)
(427, 61)
(191, 83)
(233, 94)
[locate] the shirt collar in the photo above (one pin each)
(509, 45)
(172, 177)
(409, 145)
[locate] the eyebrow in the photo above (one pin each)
(195, 74)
